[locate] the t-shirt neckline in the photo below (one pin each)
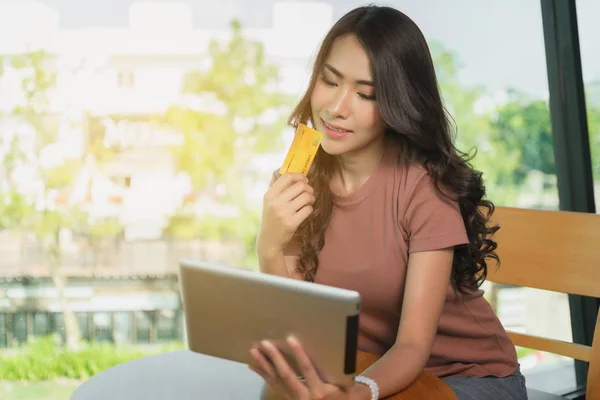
(367, 188)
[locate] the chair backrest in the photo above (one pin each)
(557, 251)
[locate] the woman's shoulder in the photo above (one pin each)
(416, 187)
(413, 177)
(410, 175)
(409, 166)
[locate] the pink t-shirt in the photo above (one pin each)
(371, 234)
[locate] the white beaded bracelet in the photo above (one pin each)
(370, 383)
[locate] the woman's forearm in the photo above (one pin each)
(397, 368)
(272, 262)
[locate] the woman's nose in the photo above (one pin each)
(340, 107)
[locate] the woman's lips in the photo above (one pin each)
(334, 131)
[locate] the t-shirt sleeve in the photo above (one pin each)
(433, 222)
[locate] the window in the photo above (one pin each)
(84, 325)
(102, 327)
(164, 194)
(165, 325)
(59, 325)
(3, 330)
(587, 11)
(41, 324)
(20, 326)
(143, 325)
(122, 327)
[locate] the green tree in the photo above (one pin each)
(38, 211)
(523, 125)
(472, 128)
(594, 129)
(18, 213)
(232, 124)
(48, 219)
(14, 205)
(473, 132)
(231, 114)
(593, 115)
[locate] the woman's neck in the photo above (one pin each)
(357, 167)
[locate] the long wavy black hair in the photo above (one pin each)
(409, 102)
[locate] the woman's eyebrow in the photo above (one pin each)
(340, 75)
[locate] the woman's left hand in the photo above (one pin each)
(272, 366)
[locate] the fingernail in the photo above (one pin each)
(292, 340)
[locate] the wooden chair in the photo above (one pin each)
(425, 387)
(557, 251)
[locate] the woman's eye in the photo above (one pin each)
(361, 95)
(327, 81)
(367, 96)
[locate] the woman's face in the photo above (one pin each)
(343, 99)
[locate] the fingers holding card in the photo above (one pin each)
(302, 151)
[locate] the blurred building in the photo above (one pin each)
(111, 83)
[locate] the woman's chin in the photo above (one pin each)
(332, 149)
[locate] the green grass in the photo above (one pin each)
(59, 389)
(44, 370)
(45, 359)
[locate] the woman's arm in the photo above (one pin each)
(427, 281)
(286, 204)
(276, 263)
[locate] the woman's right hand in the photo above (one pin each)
(286, 204)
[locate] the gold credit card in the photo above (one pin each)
(302, 150)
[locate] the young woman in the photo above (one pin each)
(392, 210)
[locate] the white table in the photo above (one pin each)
(177, 375)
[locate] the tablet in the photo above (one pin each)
(229, 310)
